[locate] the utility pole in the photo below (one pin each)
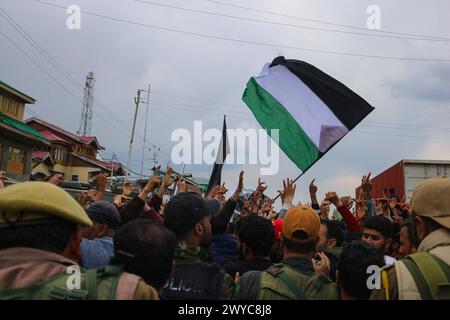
(145, 130)
(136, 101)
(112, 166)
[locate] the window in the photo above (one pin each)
(16, 160)
(75, 178)
(61, 155)
(9, 106)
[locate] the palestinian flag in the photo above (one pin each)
(312, 110)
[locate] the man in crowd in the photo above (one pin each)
(407, 241)
(223, 245)
(146, 248)
(331, 236)
(352, 275)
(188, 216)
(425, 274)
(40, 249)
(97, 241)
(298, 276)
(255, 237)
(377, 233)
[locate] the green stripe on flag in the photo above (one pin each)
(272, 115)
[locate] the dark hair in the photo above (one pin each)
(381, 224)
(297, 247)
(258, 234)
(334, 231)
(392, 190)
(354, 260)
(408, 225)
(146, 248)
(218, 226)
(50, 235)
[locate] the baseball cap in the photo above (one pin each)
(185, 210)
(34, 202)
(431, 198)
(103, 212)
(301, 224)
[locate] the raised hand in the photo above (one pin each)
(347, 201)
(312, 188)
(322, 267)
(366, 185)
(333, 198)
(239, 187)
(261, 188)
(126, 188)
(245, 208)
(168, 177)
(289, 190)
(266, 208)
(101, 186)
(182, 187)
(154, 182)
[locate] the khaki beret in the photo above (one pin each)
(27, 201)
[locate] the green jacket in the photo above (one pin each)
(292, 279)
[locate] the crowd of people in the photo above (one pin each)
(208, 247)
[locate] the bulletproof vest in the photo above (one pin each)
(96, 284)
(281, 282)
(202, 281)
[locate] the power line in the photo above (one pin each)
(257, 43)
(288, 24)
(59, 68)
(57, 82)
(196, 99)
(202, 107)
(404, 136)
(410, 128)
(41, 50)
(37, 65)
(425, 37)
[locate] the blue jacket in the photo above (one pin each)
(223, 248)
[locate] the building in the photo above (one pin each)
(17, 139)
(72, 155)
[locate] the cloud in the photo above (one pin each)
(423, 82)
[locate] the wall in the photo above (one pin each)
(6, 142)
(42, 167)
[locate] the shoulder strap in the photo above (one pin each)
(284, 277)
(91, 284)
(428, 274)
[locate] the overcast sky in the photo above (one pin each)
(411, 98)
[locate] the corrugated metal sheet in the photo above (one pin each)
(416, 172)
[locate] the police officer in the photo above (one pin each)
(426, 273)
(40, 249)
(188, 216)
(295, 277)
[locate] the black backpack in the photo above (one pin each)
(203, 281)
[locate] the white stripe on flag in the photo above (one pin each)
(312, 115)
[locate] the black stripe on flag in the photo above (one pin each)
(216, 175)
(348, 107)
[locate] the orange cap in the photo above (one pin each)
(301, 224)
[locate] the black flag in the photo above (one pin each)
(224, 149)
